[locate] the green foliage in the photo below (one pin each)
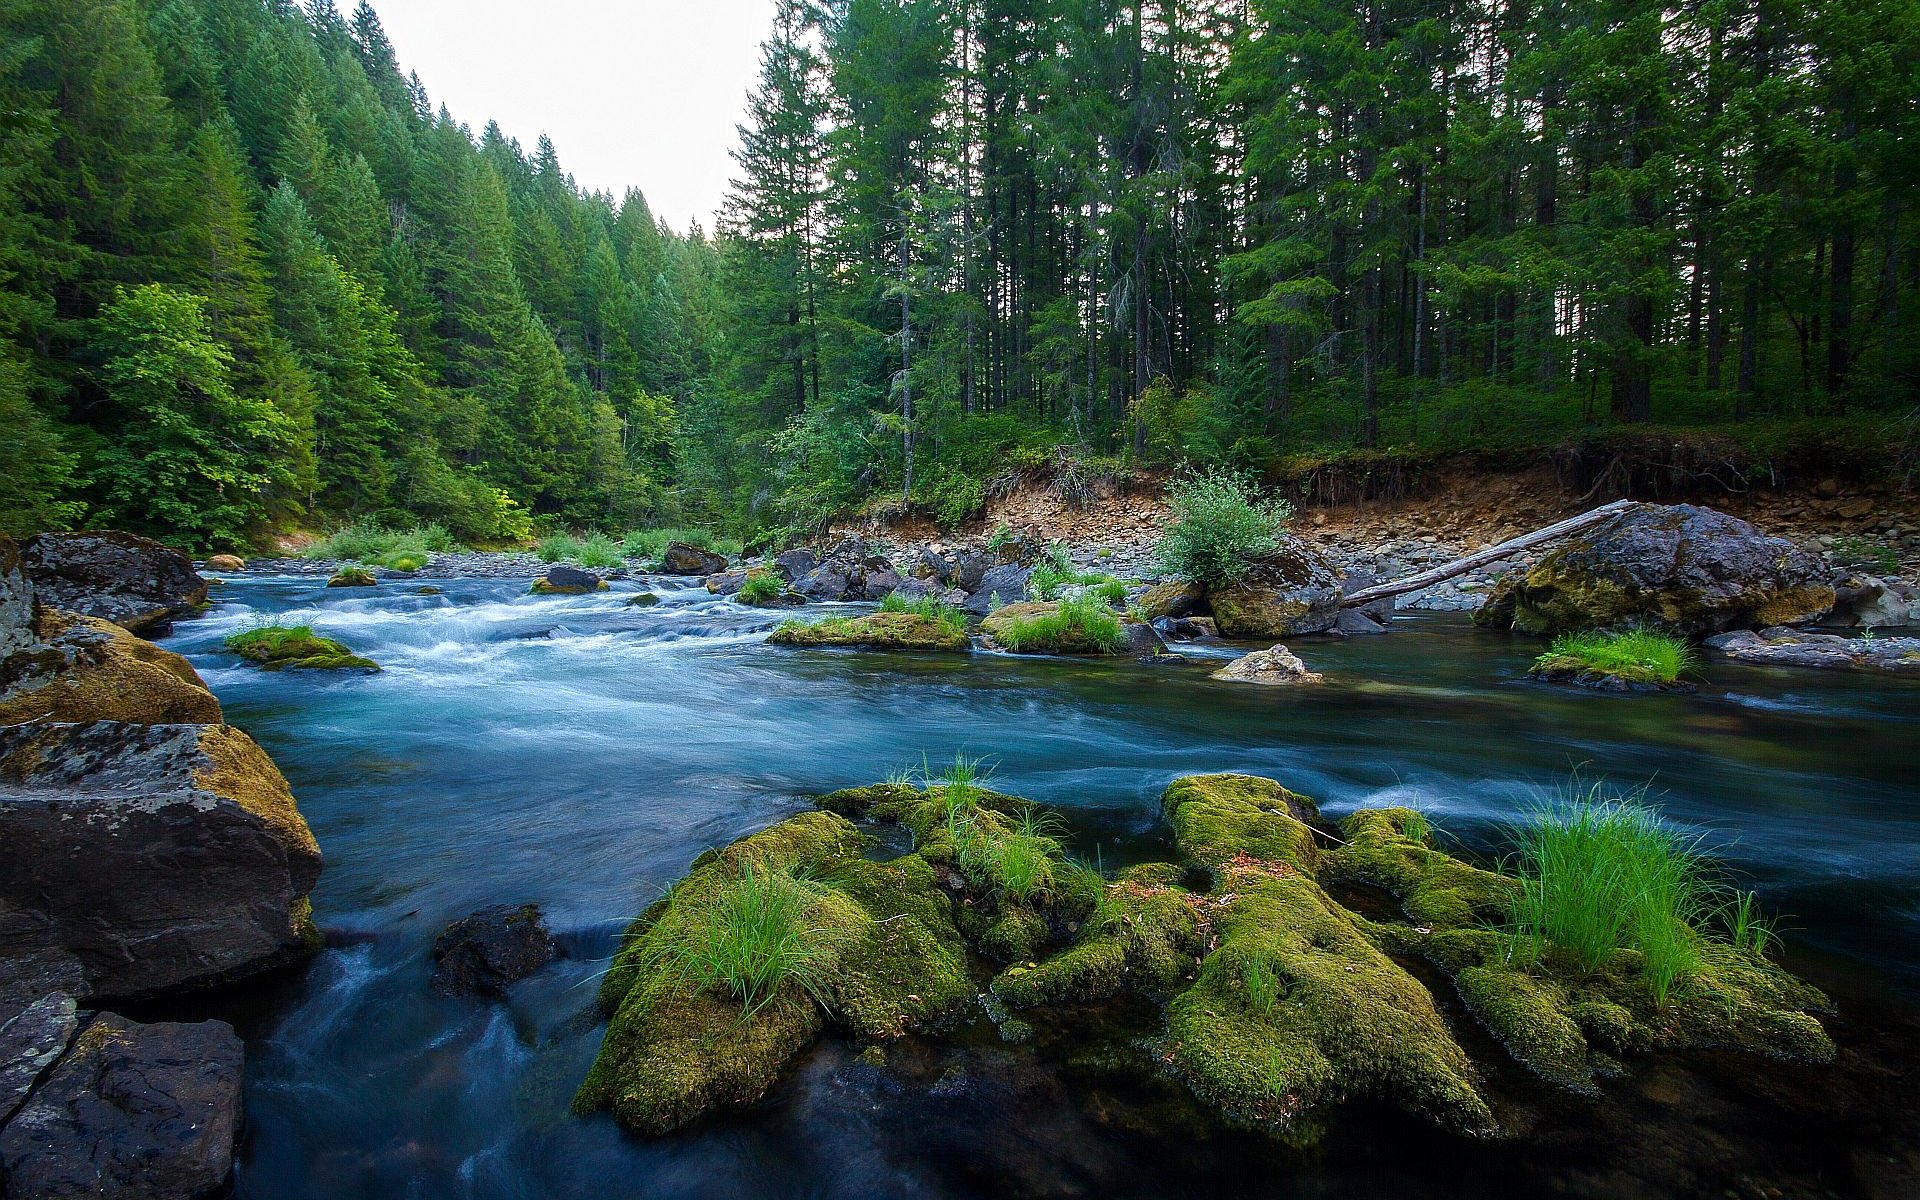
(1220, 524)
(559, 547)
(1638, 656)
(932, 608)
(751, 937)
(294, 646)
(371, 542)
(1601, 874)
(599, 550)
(1056, 571)
(1866, 554)
(1077, 622)
(760, 587)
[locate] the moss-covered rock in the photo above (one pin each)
(1051, 627)
(88, 669)
(1298, 1009)
(567, 581)
(1390, 848)
(1145, 935)
(1294, 590)
(891, 961)
(1218, 818)
(875, 631)
(351, 577)
(276, 647)
(1174, 598)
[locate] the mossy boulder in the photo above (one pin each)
(891, 961)
(568, 581)
(1145, 935)
(351, 577)
(135, 582)
(1294, 590)
(88, 669)
(278, 647)
(1174, 598)
(1219, 818)
(226, 562)
(1390, 848)
(1681, 568)
(875, 631)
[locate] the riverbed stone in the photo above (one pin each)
(132, 581)
(1173, 599)
(32, 1039)
(1294, 590)
(795, 563)
(483, 952)
(682, 559)
(568, 581)
(226, 562)
(1681, 568)
(159, 857)
(1277, 665)
(87, 669)
(133, 1112)
(1001, 584)
(1782, 647)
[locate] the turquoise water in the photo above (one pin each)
(578, 753)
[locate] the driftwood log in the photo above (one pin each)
(1420, 580)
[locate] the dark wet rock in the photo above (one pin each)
(160, 857)
(1003, 584)
(347, 577)
(1173, 599)
(881, 584)
(1277, 665)
(1869, 602)
(1186, 629)
(132, 581)
(1380, 610)
(795, 563)
(482, 953)
(1142, 640)
(1294, 590)
(682, 559)
(134, 1112)
(568, 581)
(643, 600)
(1593, 679)
(32, 1039)
(822, 583)
(86, 669)
(1680, 568)
(1351, 621)
(726, 583)
(428, 590)
(1800, 648)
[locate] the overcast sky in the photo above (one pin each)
(641, 93)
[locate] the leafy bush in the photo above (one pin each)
(370, 542)
(760, 587)
(1220, 524)
(560, 547)
(926, 606)
(599, 550)
(1639, 655)
(1080, 621)
(751, 937)
(1599, 875)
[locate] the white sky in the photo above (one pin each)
(640, 93)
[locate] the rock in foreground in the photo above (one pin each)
(482, 953)
(132, 581)
(1680, 568)
(134, 1112)
(148, 858)
(682, 559)
(1278, 665)
(86, 669)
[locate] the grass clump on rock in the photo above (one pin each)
(1635, 658)
(1221, 525)
(352, 577)
(900, 624)
(281, 646)
(760, 587)
(1078, 625)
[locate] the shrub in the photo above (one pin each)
(1078, 622)
(1598, 875)
(1220, 524)
(926, 606)
(1056, 571)
(371, 542)
(651, 544)
(402, 560)
(1018, 861)
(560, 547)
(599, 550)
(751, 937)
(760, 587)
(1638, 656)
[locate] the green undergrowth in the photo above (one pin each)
(929, 608)
(395, 549)
(275, 647)
(1056, 571)
(1077, 625)
(650, 545)
(760, 587)
(1639, 656)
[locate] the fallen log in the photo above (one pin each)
(1480, 558)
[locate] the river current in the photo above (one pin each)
(578, 752)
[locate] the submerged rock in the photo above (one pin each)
(1294, 590)
(1680, 568)
(682, 559)
(1800, 648)
(643, 600)
(1277, 665)
(143, 859)
(352, 577)
(875, 631)
(141, 1112)
(485, 951)
(297, 647)
(86, 669)
(132, 581)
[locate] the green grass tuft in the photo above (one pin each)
(370, 542)
(752, 937)
(926, 606)
(1638, 655)
(560, 547)
(1056, 571)
(651, 544)
(760, 587)
(1080, 620)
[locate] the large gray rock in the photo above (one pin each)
(159, 857)
(1799, 648)
(133, 1112)
(133, 581)
(1008, 582)
(1681, 568)
(1277, 665)
(682, 559)
(32, 1040)
(795, 563)
(16, 601)
(1296, 589)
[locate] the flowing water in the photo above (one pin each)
(577, 752)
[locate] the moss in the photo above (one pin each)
(93, 670)
(1145, 937)
(897, 964)
(1016, 933)
(352, 577)
(1298, 1009)
(1217, 818)
(1056, 627)
(1175, 598)
(1530, 1017)
(1254, 612)
(275, 647)
(1388, 847)
(875, 631)
(542, 588)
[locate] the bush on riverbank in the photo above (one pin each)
(371, 542)
(1221, 525)
(1636, 656)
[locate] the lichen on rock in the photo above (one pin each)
(87, 669)
(875, 631)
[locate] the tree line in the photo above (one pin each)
(250, 277)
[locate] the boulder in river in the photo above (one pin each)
(1295, 589)
(1277, 665)
(876, 631)
(275, 647)
(86, 669)
(482, 953)
(1002, 584)
(1175, 598)
(135, 582)
(143, 859)
(568, 581)
(681, 559)
(1681, 568)
(1800, 648)
(135, 1112)
(352, 577)
(226, 562)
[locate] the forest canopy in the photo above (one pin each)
(252, 279)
